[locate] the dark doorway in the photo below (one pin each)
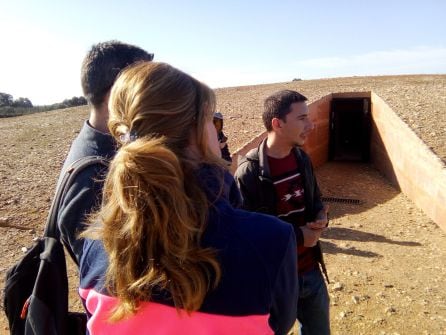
(350, 124)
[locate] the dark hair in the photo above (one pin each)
(278, 106)
(103, 63)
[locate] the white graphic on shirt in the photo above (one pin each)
(298, 193)
(287, 178)
(287, 197)
(291, 212)
(295, 194)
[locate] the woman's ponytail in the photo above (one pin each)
(151, 223)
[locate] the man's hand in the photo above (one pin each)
(312, 230)
(311, 235)
(321, 219)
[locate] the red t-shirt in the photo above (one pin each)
(289, 187)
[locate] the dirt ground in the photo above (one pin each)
(386, 260)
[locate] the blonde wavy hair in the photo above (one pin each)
(154, 211)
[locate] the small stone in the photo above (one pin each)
(379, 321)
(355, 299)
(24, 249)
(390, 310)
(343, 315)
(380, 295)
(338, 287)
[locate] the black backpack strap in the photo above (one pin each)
(51, 229)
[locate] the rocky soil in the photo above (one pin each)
(386, 259)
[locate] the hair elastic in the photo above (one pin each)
(128, 137)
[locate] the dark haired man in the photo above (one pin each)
(277, 178)
(100, 68)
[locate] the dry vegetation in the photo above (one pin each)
(386, 259)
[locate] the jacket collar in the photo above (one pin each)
(263, 160)
(262, 157)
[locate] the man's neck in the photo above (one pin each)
(98, 119)
(275, 148)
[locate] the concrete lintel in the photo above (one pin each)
(351, 95)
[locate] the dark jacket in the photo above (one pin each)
(259, 195)
(84, 195)
(257, 293)
(225, 154)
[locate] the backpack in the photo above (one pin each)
(36, 289)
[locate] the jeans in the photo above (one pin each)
(313, 305)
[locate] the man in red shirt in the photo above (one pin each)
(277, 178)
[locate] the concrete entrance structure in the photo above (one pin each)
(395, 150)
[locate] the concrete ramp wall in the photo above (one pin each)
(317, 143)
(241, 152)
(399, 154)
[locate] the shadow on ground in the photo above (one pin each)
(346, 234)
(338, 233)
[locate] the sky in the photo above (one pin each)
(222, 43)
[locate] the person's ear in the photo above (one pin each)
(276, 123)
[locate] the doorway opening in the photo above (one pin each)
(350, 126)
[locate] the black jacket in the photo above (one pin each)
(259, 195)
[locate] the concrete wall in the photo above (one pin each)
(240, 152)
(317, 143)
(407, 162)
